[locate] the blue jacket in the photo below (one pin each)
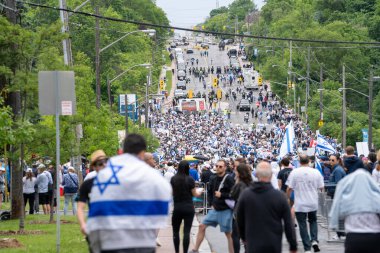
(355, 193)
(194, 174)
(337, 174)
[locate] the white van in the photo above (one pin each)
(181, 65)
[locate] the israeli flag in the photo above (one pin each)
(288, 140)
(324, 145)
(318, 165)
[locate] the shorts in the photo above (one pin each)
(222, 218)
(43, 198)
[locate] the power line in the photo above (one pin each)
(201, 31)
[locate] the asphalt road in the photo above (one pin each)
(219, 58)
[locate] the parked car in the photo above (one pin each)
(244, 105)
(181, 85)
(181, 75)
(180, 94)
(189, 51)
(205, 46)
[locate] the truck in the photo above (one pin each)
(192, 105)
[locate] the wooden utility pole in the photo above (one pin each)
(97, 56)
(370, 98)
(307, 84)
(344, 109)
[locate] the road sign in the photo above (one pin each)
(161, 84)
(320, 123)
(131, 107)
(219, 94)
(190, 94)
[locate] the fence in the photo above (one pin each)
(324, 207)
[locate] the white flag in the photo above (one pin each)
(324, 145)
(287, 145)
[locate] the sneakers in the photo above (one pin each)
(193, 251)
(308, 251)
(315, 246)
(158, 243)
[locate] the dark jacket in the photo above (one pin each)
(219, 204)
(353, 163)
(260, 212)
(205, 176)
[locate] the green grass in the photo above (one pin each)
(169, 76)
(71, 238)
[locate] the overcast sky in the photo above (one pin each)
(186, 13)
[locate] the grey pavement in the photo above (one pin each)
(218, 241)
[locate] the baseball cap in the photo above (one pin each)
(2, 169)
(29, 170)
(97, 155)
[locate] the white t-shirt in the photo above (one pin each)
(376, 175)
(305, 182)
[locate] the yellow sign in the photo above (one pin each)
(320, 123)
(219, 94)
(161, 84)
(190, 94)
(215, 82)
(260, 81)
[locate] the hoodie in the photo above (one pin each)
(261, 212)
(353, 163)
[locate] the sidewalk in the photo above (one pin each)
(166, 239)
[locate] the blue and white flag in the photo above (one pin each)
(287, 145)
(318, 165)
(128, 194)
(324, 145)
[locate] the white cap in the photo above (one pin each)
(2, 169)
(41, 166)
(29, 170)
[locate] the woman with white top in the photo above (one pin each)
(28, 183)
(357, 202)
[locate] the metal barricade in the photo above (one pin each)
(199, 202)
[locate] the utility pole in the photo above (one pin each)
(109, 92)
(97, 56)
(147, 101)
(321, 94)
(344, 109)
(67, 53)
(290, 79)
(370, 97)
(126, 115)
(307, 83)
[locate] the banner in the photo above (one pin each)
(287, 145)
(365, 134)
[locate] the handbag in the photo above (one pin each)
(229, 202)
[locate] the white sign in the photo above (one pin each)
(362, 148)
(67, 108)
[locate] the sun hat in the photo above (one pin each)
(97, 155)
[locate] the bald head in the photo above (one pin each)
(149, 159)
(304, 160)
(264, 172)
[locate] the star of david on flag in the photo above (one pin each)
(324, 145)
(113, 180)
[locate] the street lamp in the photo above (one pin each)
(97, 65)
(147, 65)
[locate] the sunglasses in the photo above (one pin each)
(100, 162)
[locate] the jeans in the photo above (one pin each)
(236, 237)
(29, 197)
(187, 215)
(312, 219)
(70, 197)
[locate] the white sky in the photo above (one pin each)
(187, 13)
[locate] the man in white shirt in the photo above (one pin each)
(305, 182)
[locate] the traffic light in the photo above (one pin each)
(219, 94)
(190, 93)
(289, 85)
(215, 82)
(161, 84)
(260, 80)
